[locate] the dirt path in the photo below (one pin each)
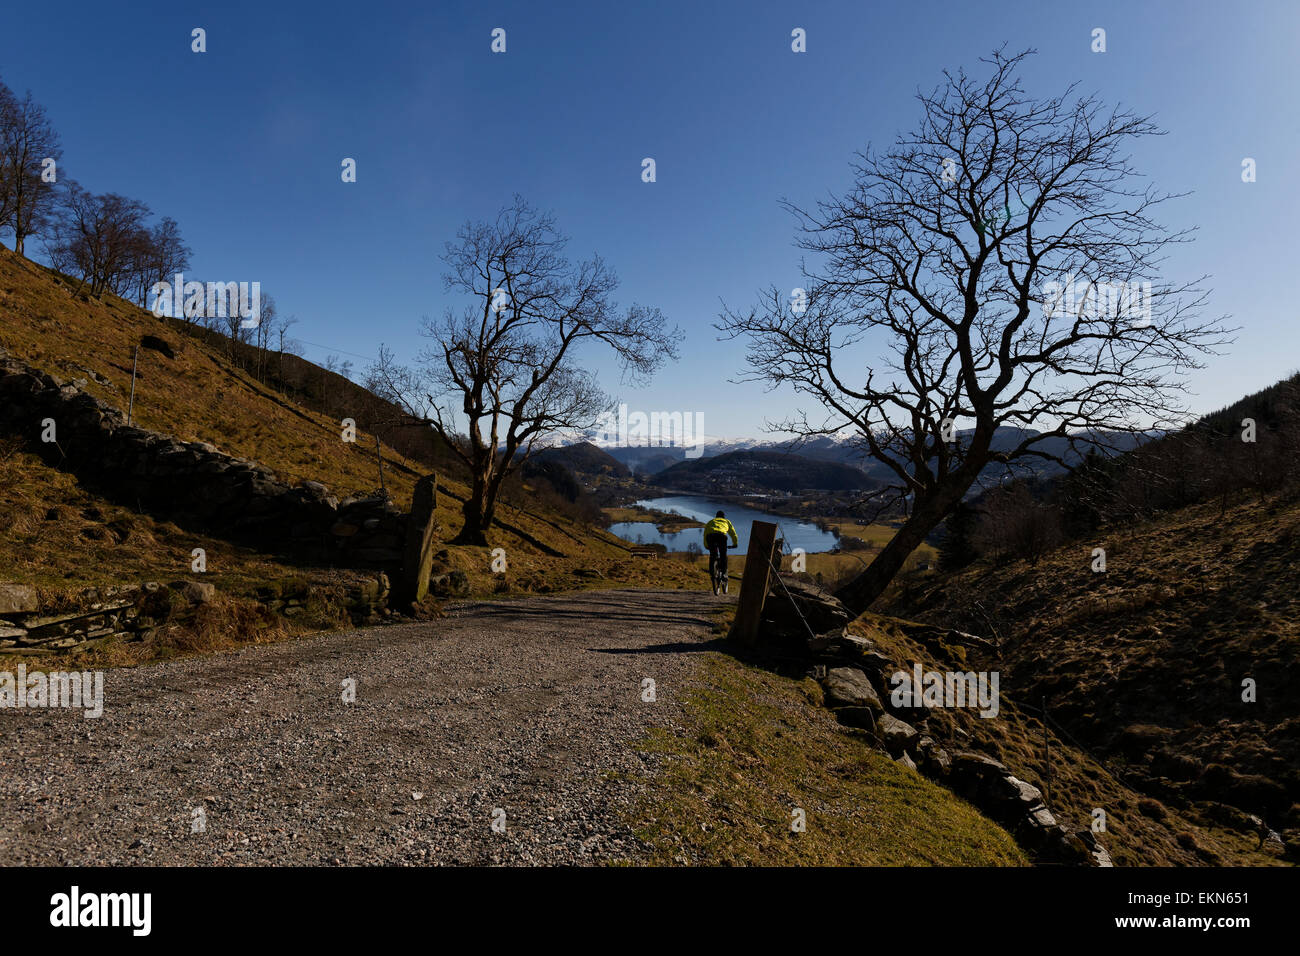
(528, 706)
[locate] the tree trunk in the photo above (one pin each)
(477, 512)
(473, 530)
(18, 243)
(860, 593)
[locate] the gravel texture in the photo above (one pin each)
(529, 706)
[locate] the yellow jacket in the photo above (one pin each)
(722, 526)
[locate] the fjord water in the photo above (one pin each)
(798, 534)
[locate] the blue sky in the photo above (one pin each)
(242, 145)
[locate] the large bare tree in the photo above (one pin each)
(27, 141)
(508, 365)
(985, 276)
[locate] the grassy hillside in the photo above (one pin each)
(756, 747)
(59, 535)
(584, 458)
(762, 471)
(1145, 663)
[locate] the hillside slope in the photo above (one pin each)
(583, 458)
(1146, 663)
(60, 533)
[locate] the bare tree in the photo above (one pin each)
(285, 343)
(984, 251)
(101, 237)
(28, 144)
(267, 319)
(162, 253)
(508, 366)
(8, 112)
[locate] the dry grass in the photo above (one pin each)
(58, 535)
(757, 746)
(1189, 606)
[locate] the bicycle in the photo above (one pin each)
(719, 573)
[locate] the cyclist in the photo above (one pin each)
(716, 533)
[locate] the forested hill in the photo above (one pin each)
(741, 471)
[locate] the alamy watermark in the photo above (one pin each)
(1118, 301)
(624, 429)
(945, 689)
(83, 689)
(75, 908)
(212, 300)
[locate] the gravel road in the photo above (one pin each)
(528, 706)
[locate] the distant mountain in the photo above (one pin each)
(763, 471)
(646, 461)
(584, 458)
(848, 450)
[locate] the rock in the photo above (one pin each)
(451, 584)
(972, 763)
(906, 761)
(1041, 817)
(857, 645)
(863, 718)
(157, 344)
(849, 687)
(17, 599)
(822, 642)
(12, 633)
(196, 592)
(972, 773)
(791, 616)
(1096, 851)
(963, 639)
(1016, 792)
(896, 735)
(934, 760)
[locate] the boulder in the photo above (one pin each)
(862, 718)
(829, 641)
(897, 736)
(794, 608)
(157, 344)
(972, 773)
(17, 599)
(858, 646)
(1096, 851)
(936, 762)
(849, 687)
(196, 592)
(1016, 793)
(451, 584)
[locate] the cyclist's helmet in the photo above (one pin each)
(720, 515)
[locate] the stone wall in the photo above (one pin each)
(855, 677)
(137, 611)
(193, 483)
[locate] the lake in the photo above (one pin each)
(798, 534)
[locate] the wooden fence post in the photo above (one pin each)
(417, 556)
(753, 584)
